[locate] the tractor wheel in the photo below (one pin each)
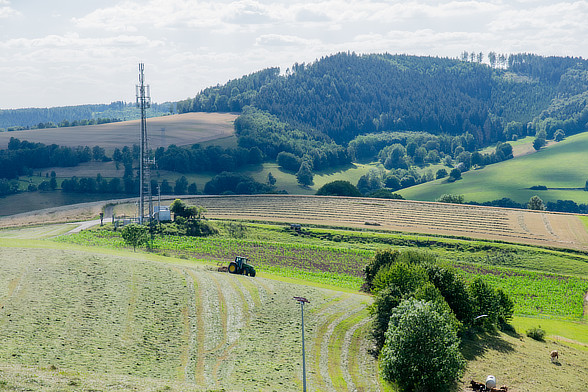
(252, 272)
(233, 268)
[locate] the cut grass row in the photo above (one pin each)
(179, 322)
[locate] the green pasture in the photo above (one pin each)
(542, 282)
(287, 180)
(555, 329)
(561, 165)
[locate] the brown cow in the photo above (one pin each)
(554, 356)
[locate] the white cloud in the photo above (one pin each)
(188, 45)
(6, 11)
(283, 40)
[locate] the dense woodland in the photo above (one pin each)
(402, 110)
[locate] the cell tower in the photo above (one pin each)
(145, 162)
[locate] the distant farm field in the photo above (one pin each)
(560, 167)
(178, 129)
(520, 226)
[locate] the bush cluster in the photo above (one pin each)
(418, 299)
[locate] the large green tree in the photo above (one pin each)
(135, 235)
(535, 203)
(421, 352)
(305, 176)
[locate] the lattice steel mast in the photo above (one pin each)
(144, 102)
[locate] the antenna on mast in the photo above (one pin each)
(144, 102)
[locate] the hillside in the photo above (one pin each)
(562, 168)
(346, 95)
(163, 323)
(114, 319)
(378, 120)
(179, 129)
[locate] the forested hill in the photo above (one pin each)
(64, 116)
(346, 95)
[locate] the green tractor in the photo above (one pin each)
(240, 266)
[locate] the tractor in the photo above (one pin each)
(240, 266)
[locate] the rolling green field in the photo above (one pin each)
(542, 283)
(561, 165)
(84, 312)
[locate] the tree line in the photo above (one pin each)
(64, 116)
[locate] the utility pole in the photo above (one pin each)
(302, 301)
(144, 102)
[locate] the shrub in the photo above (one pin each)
(385, 194)
(441, 173)
(536, 333)
(454, 175)
(288, 161)
(448, 198)
(135, 235)
(381, 258)
(339, 188)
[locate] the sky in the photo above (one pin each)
(73, 52)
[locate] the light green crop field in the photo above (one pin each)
(561, 165)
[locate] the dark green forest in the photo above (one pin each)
(404, 111)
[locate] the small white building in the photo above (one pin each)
(161, 213)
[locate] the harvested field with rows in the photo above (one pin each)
(181, 326)
(550, 229)
(520, 226)
(180, 129)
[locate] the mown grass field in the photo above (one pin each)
(114, 319)
(561, 165)
(169, 324)
(556, 287)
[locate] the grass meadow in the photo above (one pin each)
(561, 165)
(114, 319)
